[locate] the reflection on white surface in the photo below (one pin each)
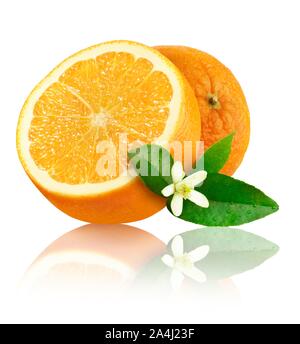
(78, 270)
(106, 262)
(117, 271)
(94, 259)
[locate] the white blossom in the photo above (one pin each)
(184, 188)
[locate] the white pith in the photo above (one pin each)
(42, 177)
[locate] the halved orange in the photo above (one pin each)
(113, 88)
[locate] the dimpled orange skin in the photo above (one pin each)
(134, 201)
(210, 78)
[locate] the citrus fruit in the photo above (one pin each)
(92, 258)
(222, 104)
(94, 97)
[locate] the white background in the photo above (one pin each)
(259, 41)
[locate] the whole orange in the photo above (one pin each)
(222, 103)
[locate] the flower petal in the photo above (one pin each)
(198, 198)
(195, 274)
(177, 246)
(168, 190)
(176, 279)
(168, 260)
(177, 172)
(199, 253)
(196, 178)
(177, 204)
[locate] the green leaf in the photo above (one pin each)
(153, 164)
(231, 202)
(232, 251)
(216, 156)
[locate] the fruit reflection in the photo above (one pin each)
(93, 258)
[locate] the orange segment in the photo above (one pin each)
(102, 95)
